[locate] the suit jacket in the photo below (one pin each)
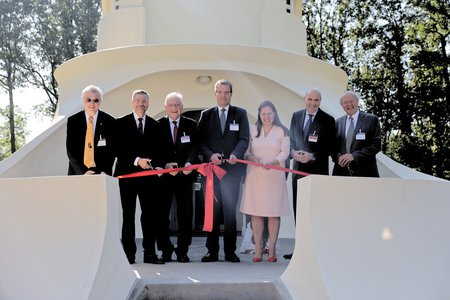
(230, 142)
(129, 144)
(75, 140)
(323, 126)
(180, 152)
(363, 150)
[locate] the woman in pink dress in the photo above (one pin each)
(265, 191)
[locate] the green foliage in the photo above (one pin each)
(62, 29)
(396, 53)
(5, 132)
(14, 34)
(36, 36)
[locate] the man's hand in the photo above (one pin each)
(172, 165)
(89, 172)
(159, 168)
(216, 159)
(145, 163)
(232, 159)
(345, 159)
(187, 172)
(302, 156)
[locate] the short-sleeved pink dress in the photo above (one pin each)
(265, 191)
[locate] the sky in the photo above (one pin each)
(26, 99)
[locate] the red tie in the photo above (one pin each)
(140, 126)
(175, 131)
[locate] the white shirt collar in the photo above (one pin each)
(355, 116)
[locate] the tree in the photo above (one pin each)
(5, 130)
(430, 84)
(14, 16)
(396, 53)
(63, 29)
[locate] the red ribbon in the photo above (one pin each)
(278, 168)
(208, 170)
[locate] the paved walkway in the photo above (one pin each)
(215, 272)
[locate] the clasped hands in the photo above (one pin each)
(345, 159)
(302, 156)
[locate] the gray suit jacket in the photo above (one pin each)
(365, 145)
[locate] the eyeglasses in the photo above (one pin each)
(174, 105)
(92, 100)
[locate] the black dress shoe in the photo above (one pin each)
(153, 259)
(232, 258)
(183, 258)
(167, 257)
(209, 257)
(288, 256)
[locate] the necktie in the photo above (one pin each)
(223, 119)
(350, 131)
(89, 144)
(140, 129)
(175, 131)
(307, 125)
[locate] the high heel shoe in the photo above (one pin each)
(257, 259)
(272, 259)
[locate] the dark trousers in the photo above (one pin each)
(226, 192)
(145, 188)
(294, 194)
(179, 187)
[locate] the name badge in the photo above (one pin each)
(361, 136)
(185, 139)
(101, 142)
(313, 138)
(234, 126)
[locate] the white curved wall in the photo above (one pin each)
(60, 239)
(369, 238)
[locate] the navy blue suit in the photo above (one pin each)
(180, 186)
(226, 190)
(129, 145)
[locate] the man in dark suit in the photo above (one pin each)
(137, 144)
(358, 140)
(99, 147)
(224, 133)
(312, 139)
(179, 146)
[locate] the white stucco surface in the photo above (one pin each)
(369, 238)
(60, 239)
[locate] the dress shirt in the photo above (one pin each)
(219, 110)
(94, 120)
(313, 115)
(136, 118)
(172, 125)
